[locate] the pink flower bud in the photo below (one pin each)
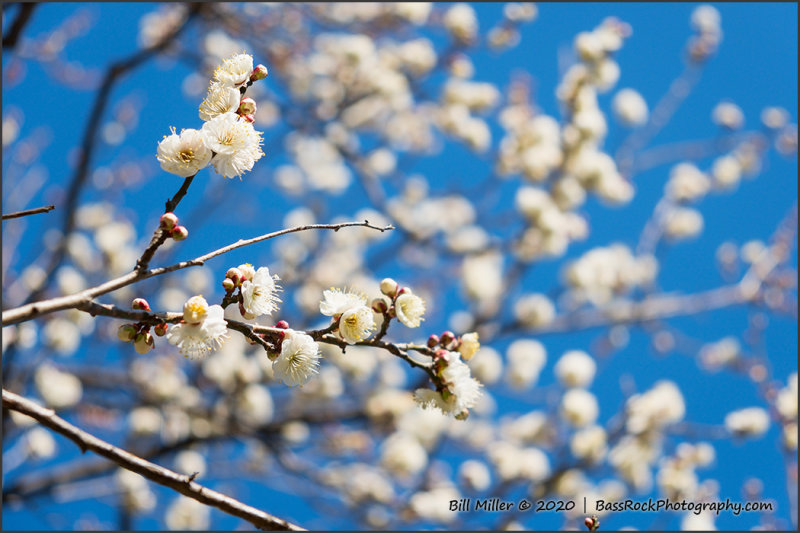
(247, 106)
(247, 271)
(259, 73)
(179, 233)
(235, 275)
(447, 337)
(140, 304)
(249, 118)
(433, 341)
(379, 305)
(168, 221)
(126, 332)
(160, 329)
(228, 284)
(282, 324)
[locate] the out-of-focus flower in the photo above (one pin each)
(749, 422)
(630, 108)
(575, 369)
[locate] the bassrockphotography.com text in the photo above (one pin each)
(650, 505)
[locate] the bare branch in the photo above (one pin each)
(178, 482)
(33, 310)
(36, 211)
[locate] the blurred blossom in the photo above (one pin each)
(575, 369)
(749, 422)
(630, 108)
(59, 390)
(526, 358)
(187, 514)
(728, 115)
(682, 223)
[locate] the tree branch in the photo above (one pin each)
(36, 309)
(36, 211)
(178, 482)
(23, 16)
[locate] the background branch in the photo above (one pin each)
(151, 471)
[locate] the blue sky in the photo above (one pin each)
(755, 67)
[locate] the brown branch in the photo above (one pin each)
(178, 482)
(114, 72)
(23, 16)
(36, 309)
(36, 211)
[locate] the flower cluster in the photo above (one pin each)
(202, 330)
(456, 391)
(227, 139)
(258, 290)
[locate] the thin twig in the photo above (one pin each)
(23, 16)
(36, 211)
(178, 482)
(36, 309)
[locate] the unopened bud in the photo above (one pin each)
(247, 106)
(380, 305)
(179, 233)
(160, 329)
(259, 73)
(126, 332)
(247, 271)
(282, 324)
(447, 337)
(228, 284)
(249, 118)
(389, 287)
(591, 523)
(168, 221)
(403, 290)
(144, 343)
(433, 341)
(140, 304)
(235, 275)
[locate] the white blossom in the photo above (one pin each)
(185, 154)
(234, 71)
(235, 142)
(463, 391)
(469, 345)
(749, 422)
(575, 369)
(298, 361)
(220, 99)
(260, 295)
(409, 308)
(356, 324)
(202, 330)
(336, 301)
(630, 108)
(579, 407)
